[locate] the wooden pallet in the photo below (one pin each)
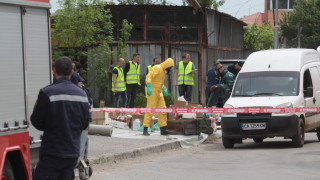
(187, 126)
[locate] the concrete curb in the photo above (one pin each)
(161, 147)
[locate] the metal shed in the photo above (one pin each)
(170, 31)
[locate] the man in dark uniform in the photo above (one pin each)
(226, 83)
(75, 78)
(235, 68)
(212, 79)
(61, 112)
(77, 69)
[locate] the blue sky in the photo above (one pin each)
(236, 8)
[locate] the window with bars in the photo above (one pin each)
(282, 4)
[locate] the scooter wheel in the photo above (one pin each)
(209, 130)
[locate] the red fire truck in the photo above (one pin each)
(25, 67)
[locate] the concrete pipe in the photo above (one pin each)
(102, 130)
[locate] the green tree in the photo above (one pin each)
(306, 18)
(214, 4)
(124, 37)
(80, 25)
(100, 63)
(258, 37)
(138, 2)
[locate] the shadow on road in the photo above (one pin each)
(268, 144)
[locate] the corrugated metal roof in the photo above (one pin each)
(227, 15)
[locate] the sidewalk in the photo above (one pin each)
(126, 143)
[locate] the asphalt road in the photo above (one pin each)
(272, 159)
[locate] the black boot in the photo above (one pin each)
(163, 130)
(145, 131)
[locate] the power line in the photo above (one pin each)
(246, 9)
(242, 6)
(235, 7)
(250, 6)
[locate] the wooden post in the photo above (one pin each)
(145, 25)
(200, 50)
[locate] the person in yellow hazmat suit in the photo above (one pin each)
(155, 92)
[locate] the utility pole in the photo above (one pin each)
(276, 39)
(299, 33)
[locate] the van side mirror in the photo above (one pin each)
(308, 92)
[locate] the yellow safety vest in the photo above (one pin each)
(121, 86)
(149, 67)
(185, 76)
(133, 75)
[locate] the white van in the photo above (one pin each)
(274, 79)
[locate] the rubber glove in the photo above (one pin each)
(164, 91)
(149, 91)
(213, 88)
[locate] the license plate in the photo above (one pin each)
(253, 126)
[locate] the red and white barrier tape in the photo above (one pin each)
(209, 110)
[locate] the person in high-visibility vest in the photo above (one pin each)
(185, 71)
(155, 92)
(118, 84)
(155, 62)
(132, 78)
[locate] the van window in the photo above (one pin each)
(267, 84)
(307, 81)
